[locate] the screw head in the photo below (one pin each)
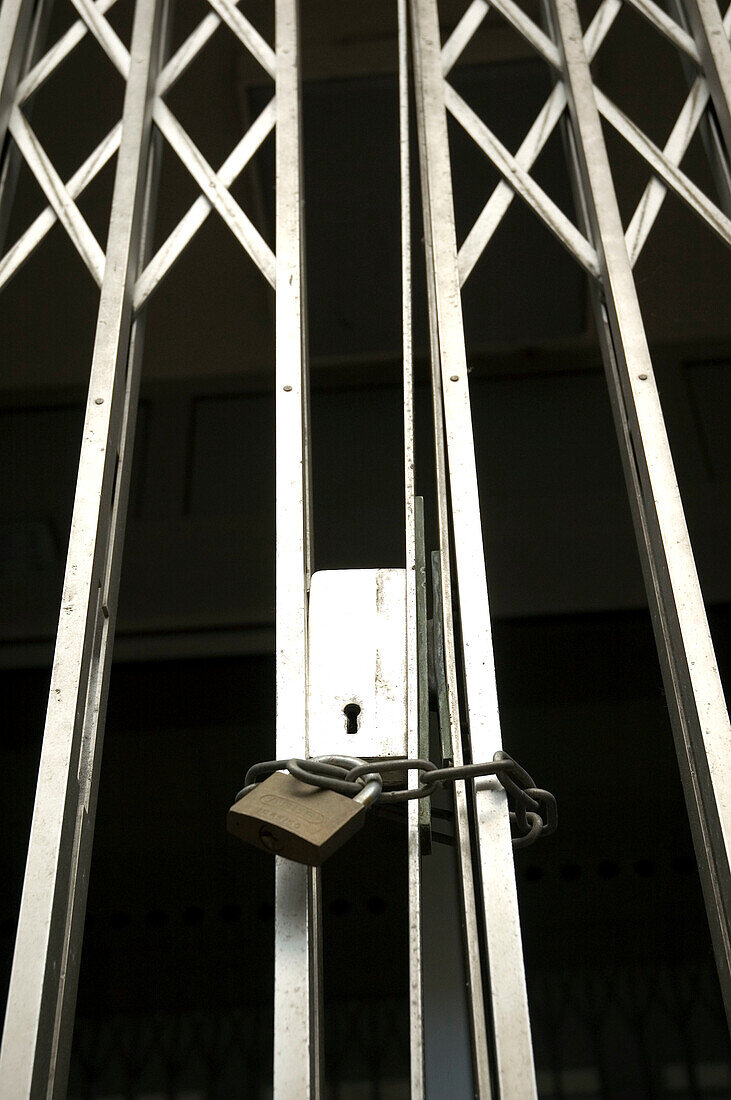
(287, 389)
(642, 377)
(454, 378)
(98, 400)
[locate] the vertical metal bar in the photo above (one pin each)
(704, 17)
(39, 1020)
(693, 688)
(416, 992)
(473, 964)
(297, 993)
(473, 967)
(514, 1069)
(96, 701)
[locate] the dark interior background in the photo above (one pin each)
(175, 990)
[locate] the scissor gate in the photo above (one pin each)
(39, 1021)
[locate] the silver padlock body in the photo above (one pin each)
(357, 659)
(295, 820)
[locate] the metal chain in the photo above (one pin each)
(534, 810)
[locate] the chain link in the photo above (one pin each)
(534, 811)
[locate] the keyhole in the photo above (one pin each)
(352, 713)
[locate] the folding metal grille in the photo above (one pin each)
(39, 1020)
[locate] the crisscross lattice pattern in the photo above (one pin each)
(214, 185)
(515, 168)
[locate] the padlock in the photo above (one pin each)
(299, 821)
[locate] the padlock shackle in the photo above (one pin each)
(371, 791)
(373, 782)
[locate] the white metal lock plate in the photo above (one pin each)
(357, 663)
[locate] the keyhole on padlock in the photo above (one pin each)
(352, 714)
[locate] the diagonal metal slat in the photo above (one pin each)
(522, 183)
(710, 131)
(225, 11)
(190, 223)
(529, 30)
(541, 42)
(29, 32)
(215, 190)
(39, 74)
(23, 248)
(655, 192)
(229, 14)
(59, 198)
(665, 170)
(675, 148)
(502, 197)
(667, 26)
(188, 152)
(92, 21)
(15, 24)
(105, 35)
(683, 187)
(187, 51)
(463, 34)
(535, 140)
(704, 17)
(190, 49)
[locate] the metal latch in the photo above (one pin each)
(357, 680)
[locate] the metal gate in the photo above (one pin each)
(39, 1022)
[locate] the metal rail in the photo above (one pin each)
(413, 701)
(514, 1070)
(693, 688)
(468, 872)
(41, 999)
(297, 957)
